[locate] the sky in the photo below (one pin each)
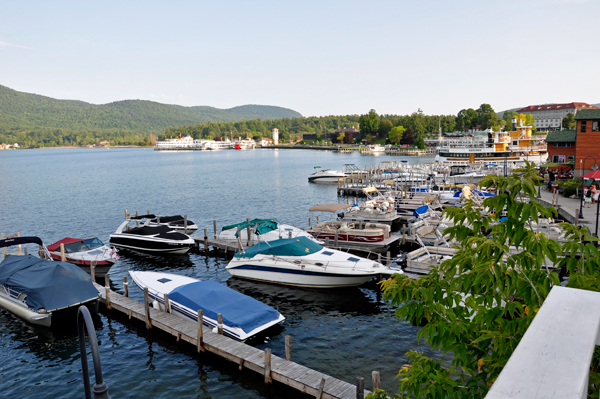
(315, 57)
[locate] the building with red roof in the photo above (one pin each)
(550, 116)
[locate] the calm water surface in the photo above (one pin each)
(55, 193)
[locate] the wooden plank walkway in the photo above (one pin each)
(287, 372)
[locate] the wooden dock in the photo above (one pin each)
(272, 367)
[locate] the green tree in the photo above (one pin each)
(478, 304)
(395, 135)
(487, 118)
(568, 121)
(340, 137)
(369, 123)
(385, 125)
(466, 119)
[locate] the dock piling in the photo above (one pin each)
(268, 379)
(248, 231)
(107, 289)
(388, 260)
(147, 308)
(185, 224)
(205, 240)
(321, 387)
(215, 228)
(220, 324)
(93, 271)
(288, 347)
(376, 380)
(200, 334)
(360, 388)
(62, 252)
(167, 303)
(125, 287)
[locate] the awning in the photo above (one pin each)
(329, 207)
(370, 189)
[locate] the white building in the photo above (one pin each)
(275, 136)
(550, 116)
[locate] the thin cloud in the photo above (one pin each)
(6, 44)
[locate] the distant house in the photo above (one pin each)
(561, 146)
(588, 139)
(4, 146)
(266, 141)
(16, 145)
(105, 143)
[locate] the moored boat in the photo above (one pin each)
(302, 262)
(260, 230)
(176, 223)
(243, 316)
(34, 289)
(83, 251)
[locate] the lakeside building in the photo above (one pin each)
(561, 146)
(549, 116)
(264, 141)
(588, 140)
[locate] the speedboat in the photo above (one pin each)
(261, 230)
(143, 237)
(304, 263)
(243, 316)
(34, 289)
(83, 251)
(176, 223)
(326, 175)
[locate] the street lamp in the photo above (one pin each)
(595, 167)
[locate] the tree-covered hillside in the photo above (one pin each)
(32, 113)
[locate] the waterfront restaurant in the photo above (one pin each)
(588, 140)
(561, 146)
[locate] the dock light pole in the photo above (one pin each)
(595, 167)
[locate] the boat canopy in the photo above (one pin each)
(9, 242)
(169, 219)
(329, 208)
(140, 217)
(47, 284)
(66, 240)
(299, 246)
(262, 226)
(238, 310)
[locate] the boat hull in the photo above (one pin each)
(150, 245)
(16, 307)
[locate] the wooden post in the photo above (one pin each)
(321, 387)
(205, 240)
(157, 219)
(167, 304)
(248, 231)
(360, 388)
(378, 258)
(220, 324)
(288, 347)
(317, 220)
(200, 335)
(93, 272)
(3, 248)
(376, 381)
(147, 308)
(327, 242)
(126, 214)
(215, 228)
(62, 252)
(268, 366)
(125, 287)
(309, 224)
(107, 290)
(388, 260)
(185, 224)
(336, 239)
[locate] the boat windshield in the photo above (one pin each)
(82, 246)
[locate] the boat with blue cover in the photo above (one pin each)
(302, 262)
(33, 288)
(243, 316)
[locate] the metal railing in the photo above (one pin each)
(84, 322)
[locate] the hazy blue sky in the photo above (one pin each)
(316, 57)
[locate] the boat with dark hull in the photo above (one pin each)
(176, 223)
(143, 237)
(34, 289)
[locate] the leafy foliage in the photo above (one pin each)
(478, 304)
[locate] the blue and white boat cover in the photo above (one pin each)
(238, 310)
(298, 246)
(47, 284)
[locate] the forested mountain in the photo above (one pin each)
(24, 113)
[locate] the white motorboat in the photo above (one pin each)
(176, 223)
(376, 148)
(261, 230)
(302, 262)
(83, 251)
(143, 237)
(243, 316)
(34, 289)
(326, 175)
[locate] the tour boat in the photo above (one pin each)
(175, 223)
(243, 316)
(34, 289)
(83, 251)
(143, 237)
(261, 230)
(304, 263)
(219, 145)
(246, 144)
(514, 147)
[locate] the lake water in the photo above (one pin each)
(54, 193)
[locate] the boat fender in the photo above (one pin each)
(156, 305)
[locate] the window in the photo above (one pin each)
(559, 158)
(561, 145)
(583, 126)
(595, 126)
(515, 142)
(570, 158)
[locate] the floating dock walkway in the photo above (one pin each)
(272, 367)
